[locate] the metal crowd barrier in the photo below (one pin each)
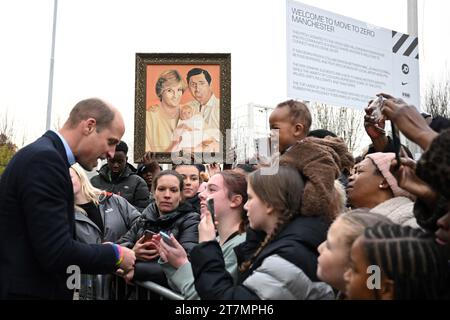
(113, 287)
(159, 290)
(141, 290)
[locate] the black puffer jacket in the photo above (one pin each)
(294, 252)
(128, 185)
(195, 202)
(182, 223)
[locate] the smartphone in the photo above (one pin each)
(210, 206)
(166, 238)
(376, 106)
(148, 234)
(377, 115)
(397, 144)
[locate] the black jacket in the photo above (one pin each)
(297, 243)
(128, 185)
(195, 202)
(37, 226)
(182, 223)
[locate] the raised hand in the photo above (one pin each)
(407, 179)
(408, 120)
(206, 229)
(173, 254)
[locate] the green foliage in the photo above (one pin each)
(7, 151)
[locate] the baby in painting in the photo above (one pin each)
(190, 127)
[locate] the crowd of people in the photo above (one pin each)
(323, 227)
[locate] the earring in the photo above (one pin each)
(381, 185)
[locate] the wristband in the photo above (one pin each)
(119, 262)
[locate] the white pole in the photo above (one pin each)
(413, 21)
(52, 61)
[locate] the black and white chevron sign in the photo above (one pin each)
(405, 45)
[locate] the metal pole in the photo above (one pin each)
(52, 61)
(413, 21)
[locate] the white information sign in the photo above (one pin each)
(345, 62)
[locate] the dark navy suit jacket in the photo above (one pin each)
(37, 226)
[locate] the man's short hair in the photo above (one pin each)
(197, 71)
(122, 146)
(92, 108)
(298, 112)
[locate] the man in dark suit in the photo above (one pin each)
(38, 250)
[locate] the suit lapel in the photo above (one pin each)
(59, 146)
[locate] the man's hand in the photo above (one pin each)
(129, 259)
(129, 276)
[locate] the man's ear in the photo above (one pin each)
(236, 201)
(387, 289)
(90, 125)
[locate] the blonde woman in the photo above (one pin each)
(162, 119)
(99, 216)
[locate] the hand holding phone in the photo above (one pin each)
(166, 238)
(148, 234)
(210, 206)
(375, 107)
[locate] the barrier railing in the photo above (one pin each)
(142, 290)
(113, 287)
(159, 290)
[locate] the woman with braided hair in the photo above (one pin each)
(284, 264)
(402, 263)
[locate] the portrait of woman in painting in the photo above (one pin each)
(162, 119)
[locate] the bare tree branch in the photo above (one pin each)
(346, 123)
(437, 98)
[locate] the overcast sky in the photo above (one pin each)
(97, 41)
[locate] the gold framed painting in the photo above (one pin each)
(182, 105)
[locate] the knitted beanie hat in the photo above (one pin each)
(382, 161)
